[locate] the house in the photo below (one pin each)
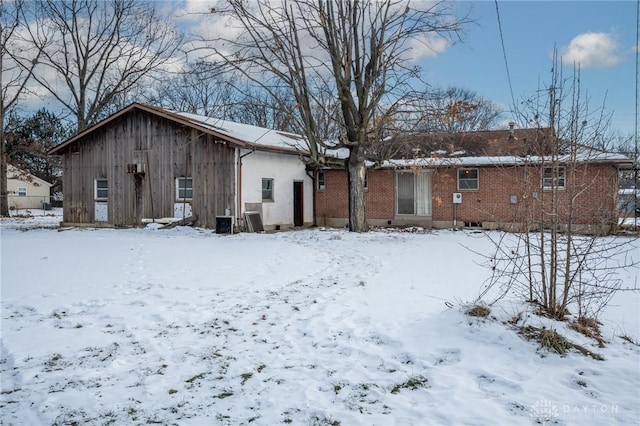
(26, 191)
(144, 164)
(484, 179)
(628, 202)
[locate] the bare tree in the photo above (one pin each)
(560, 261)
(357, 51)
(94, 51)
(258, 107)
(201, 88)
(442, 113)
(13, 77)
(456, 109)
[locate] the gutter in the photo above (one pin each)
(239, 183)
(311, 173)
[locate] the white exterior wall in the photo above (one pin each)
(284, 169)
(38, 191)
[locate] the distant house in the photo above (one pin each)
(490, 179)
(628, 202)
(145, 163)
(26, 191)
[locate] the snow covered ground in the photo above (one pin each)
(314, 327)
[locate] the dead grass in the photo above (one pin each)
(590, 327)
(629, 339)
(479, 310)
(551, 340)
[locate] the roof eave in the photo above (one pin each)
(156, 111)
(275, 149)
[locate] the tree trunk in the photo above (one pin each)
(4, 200)
(357, 170)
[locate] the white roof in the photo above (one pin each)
(264, 137)
(247, 133)
(629, 191)
(501, 161)
(14, 173)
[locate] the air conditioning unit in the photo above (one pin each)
(136, 168)
(457, 198)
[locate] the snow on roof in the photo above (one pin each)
(598, 157)
(251, 134)
(340, 153)
(463, 158)
(14, 173)
(629, 191)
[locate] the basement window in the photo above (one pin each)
(267, 189)
(468, 179)
(184, 188)
(101, 188)
(553, 177)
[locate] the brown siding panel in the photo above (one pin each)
(168, 151)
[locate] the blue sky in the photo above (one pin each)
(606, 31)
(530, 30)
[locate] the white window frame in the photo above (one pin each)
(101, 192)
(322, 180)
(184, 183)
(548, 183)
(268, 190)
(22, 191)
(466, 179)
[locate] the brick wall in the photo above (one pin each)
(333, 201)
(594, 188)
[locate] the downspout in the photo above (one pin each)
(455, 216)
(153, 216)
(184, 181)
(239, 185)
(312, 175)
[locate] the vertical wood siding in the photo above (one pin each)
(168, 151)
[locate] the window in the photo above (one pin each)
(413, 193)
(468, 179)
(22, 192)
(406, 200)
(366, 179)
(267, 189)
(184, 188)
(553, 177)
(101, 189)
(321, 181)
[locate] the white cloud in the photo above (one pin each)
(190, 9)
(428, 46)
(592, 50)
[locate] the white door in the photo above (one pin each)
(101, 212)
